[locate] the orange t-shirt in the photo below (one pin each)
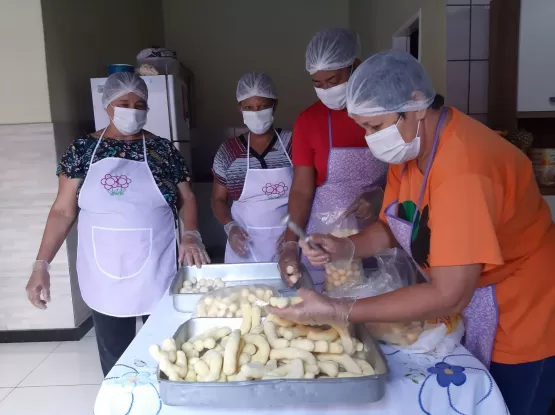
(482, 205)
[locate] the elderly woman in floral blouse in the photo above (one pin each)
(131, 187)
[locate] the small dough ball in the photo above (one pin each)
(201, 283)
(204, 290)
(193, 280)
(209, 282)
(245, 293)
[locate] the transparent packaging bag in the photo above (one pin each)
(341, 273)
(396, 270)
(228, 302)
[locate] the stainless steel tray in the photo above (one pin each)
(275, 393)
(266, 273)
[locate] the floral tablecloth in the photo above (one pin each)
(457, 384)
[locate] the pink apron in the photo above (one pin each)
(260, 208)
(481, 315)
(351, 172)
(126, 257)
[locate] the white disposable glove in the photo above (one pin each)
(289, 262)
(238, 239)
(38, 287)
(192, 250)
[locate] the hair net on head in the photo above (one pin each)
(332, 49)
(122, 83)
(388, 82)
(255, 84)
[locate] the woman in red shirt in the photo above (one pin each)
(332, 163)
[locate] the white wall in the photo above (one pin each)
(377, 20)
(23, 82)
(219, 40)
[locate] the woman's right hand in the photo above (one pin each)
(238, 239)
(332, 249)
(38, 287)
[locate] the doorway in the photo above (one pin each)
(407, 38)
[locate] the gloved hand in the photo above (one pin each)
(317, 309)
(238, 239)
(289, 263)
(340, 251)
(192, 250)
(367, 206)
(38, 287)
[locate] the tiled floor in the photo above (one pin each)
(49, 378)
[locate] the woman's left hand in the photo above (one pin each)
(316, 309)
(192, 250)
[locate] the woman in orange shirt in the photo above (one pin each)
(463, 202)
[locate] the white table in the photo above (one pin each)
(131, 387)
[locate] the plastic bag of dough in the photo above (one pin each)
(344, 273)
(229, 301)
(397, 270)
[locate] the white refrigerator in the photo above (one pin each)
(169, 110)
(168, 116)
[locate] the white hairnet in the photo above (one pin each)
(332, 49)
(255, 84)
(122, 83)
(388, 82)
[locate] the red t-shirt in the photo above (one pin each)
(311, 144)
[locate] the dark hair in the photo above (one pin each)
(436, 104)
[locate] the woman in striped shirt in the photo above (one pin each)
(254, 171)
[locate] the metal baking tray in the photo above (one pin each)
(275, 393)
(265, 273)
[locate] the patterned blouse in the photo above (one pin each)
(166, 163)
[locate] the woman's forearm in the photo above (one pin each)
(57, 228)
(415, 303)
(189, 213)
(372, 240)
(221, 210)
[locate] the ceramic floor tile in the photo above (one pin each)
(17, 360)
(4, 392)
(52, 400)
(72, 363)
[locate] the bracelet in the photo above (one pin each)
(41, 264)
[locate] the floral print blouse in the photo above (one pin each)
(166, 163)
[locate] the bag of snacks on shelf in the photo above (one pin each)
(231, 301)
(397, 270)
(343, 273)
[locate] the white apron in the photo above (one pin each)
(126, 257)
(259, 210)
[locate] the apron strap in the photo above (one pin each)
(283, 147)
(248, 153)
(430, 161)
(329, 130)
(144, 148)
(96, 147)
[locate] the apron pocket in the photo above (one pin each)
(121, 253)
(262, 242)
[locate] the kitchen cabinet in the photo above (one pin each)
(536, 56)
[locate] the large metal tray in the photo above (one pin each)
(266, 273)
(274, 393)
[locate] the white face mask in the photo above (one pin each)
(335, 98)
(388, 145)
(129, 121)
(259, 122)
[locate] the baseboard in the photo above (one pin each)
(48, 335)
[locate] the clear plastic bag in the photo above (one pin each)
(342, 273)
(227, 302)
(397, 270)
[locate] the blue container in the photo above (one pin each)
(120, 67)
